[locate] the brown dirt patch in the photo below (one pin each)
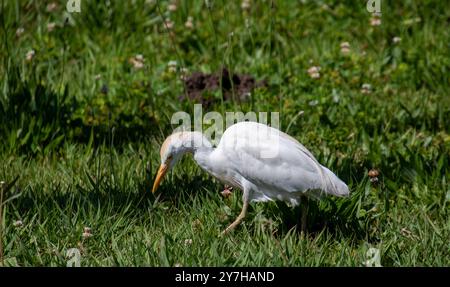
(241, 85)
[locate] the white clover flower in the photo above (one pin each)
(86, 232)
(19, 32)
(183, 71)
(86, 235)
(246, 5)
(30, 55)
(366, 89)
(187, 242)
(375, 21)
(172, 7)
(51, 7)
(137, 65)
(168, 24)
(189, 23)
(172, 65)
(137, 61)
(18, 223)
(51, 26)
(314, 72)
(396, 40)
(345, 48)
(139, 57)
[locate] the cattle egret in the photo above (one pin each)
(265, 163)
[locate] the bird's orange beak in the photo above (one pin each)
(159, 176)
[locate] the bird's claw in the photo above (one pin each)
(227, 192)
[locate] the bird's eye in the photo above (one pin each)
(169, 157)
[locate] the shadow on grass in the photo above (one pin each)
(101, 196)
(319, 218)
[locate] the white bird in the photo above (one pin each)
(265, 163)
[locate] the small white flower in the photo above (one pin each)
(183, 73)
(188, 242)
(366, 89)
(168, 24)
(189, 23)
(18, 223)
(30, 55)
(396, 40)
(139, 57)
(245, 5)
(86, 232)
(172, 7)
(345, 48)
(375, 21)
(51, 26)
(52, 7)
(314, 69)
(314, 72)
(97, 77)
(137, 61)
(172, 66)
(19, 32)
(86, 235)
(138, 65)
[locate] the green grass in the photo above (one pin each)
(87, 158)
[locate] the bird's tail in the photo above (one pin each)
(333, 185)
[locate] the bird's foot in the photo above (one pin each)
(228, 229)
(232, 225)
(227, 192)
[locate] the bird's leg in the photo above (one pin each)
(304, 213)
(239, 218)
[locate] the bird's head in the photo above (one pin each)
(173, 148)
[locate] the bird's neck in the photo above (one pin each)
(201, 148)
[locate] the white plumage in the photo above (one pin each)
(264, 162)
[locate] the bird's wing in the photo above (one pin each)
(274, 161)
